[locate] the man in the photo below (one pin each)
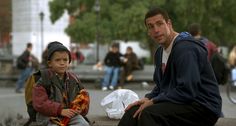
(186, 91)
(195, 30)
(26, 68)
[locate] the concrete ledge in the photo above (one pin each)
(105, 121)
(102, 121)
(86, 73)
(226, 122)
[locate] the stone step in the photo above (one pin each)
(105, 121)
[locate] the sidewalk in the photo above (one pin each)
(12, 103)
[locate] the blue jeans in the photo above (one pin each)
(22, 78)
(111, 74)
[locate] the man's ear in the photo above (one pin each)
(169, 22)
(49, 63)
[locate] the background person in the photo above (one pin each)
(25, 59)
(232, 58)
(129, 64)
(112, 64)
(218, 62)
(195, 30)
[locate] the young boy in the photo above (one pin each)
(54, 104)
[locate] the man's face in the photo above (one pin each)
(158, 29)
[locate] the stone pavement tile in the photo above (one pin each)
(226, 122)
(102, 121)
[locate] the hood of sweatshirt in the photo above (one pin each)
(185, 36)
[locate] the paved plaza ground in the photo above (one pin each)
(12, 103)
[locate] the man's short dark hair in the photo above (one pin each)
(29, 45)
(194, 29)
(155, 11)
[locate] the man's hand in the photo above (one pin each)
(144, 103)
(69, 112)
(139, 102)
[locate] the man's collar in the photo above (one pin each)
(168, 49)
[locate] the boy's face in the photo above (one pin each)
(59, 62)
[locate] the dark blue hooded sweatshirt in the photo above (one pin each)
(188, 76)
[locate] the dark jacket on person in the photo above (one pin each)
(132, 60)
(113, 59)
(23, 60)
(188, 76)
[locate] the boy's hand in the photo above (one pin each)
(69, 112)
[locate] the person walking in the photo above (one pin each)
(24, 63)
(186, 91)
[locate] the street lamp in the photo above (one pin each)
(97, 10)
(41, 15)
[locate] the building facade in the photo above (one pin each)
(29, 26)
(5, 22)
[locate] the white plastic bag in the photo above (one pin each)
(116, 102)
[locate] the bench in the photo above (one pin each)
(86, 72)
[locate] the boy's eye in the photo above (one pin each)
(57, 60)
(65, 59)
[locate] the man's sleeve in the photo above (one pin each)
(153, 93)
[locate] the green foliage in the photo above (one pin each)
(122, 19)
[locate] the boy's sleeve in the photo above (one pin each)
(43, 104)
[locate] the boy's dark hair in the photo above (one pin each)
(155, 11)
(130, 48)
(29, 45)
(194, 29)
(56, 46)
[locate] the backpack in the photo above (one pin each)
(220, 67)
(30, 83)
(218, 62)
(20, 63)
